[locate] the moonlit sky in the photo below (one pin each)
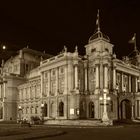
(50, 24)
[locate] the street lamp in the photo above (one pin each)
(42, 110)
(105, 118)
(3, 47)
(19, 109)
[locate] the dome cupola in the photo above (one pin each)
(98, 34)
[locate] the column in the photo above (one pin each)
(41, 85)
(70, 76)
(122, 82)
(129, 83)
(66, 79)
(4, 89)
(135, 104)
(57, 82)
(29, 93)
(76, 76)
(49, 82)
(132, 117)
(48, 107)
(97, 76)
(139, 109)
(33, 87)
(105, 114)
(105, 77)
(0, 92)
(136, 80)
(114, 78)
(86, 76)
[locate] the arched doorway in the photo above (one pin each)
(61, 109)
(91, 110)
(82, 110)
(126, 110)
(45, 110)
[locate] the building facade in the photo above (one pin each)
(12, 74)
(69, 86)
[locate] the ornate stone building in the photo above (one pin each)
(12, 74)
(69, 86)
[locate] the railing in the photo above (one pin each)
(58, 56)
(126, 94)
(53, 58)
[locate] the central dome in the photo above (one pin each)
(97, 36)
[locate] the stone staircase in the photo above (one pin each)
(74, 122)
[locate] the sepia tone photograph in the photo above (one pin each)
(70, 69)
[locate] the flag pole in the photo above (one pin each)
(135, 45)
(98, 21)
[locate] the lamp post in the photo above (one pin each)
(42, 111)
(105, 118)
(19, 109)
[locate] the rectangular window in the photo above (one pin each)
(118, 81)
(53, 87)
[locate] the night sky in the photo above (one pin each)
(50, 24)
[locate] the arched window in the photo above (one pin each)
(26, 110)
(36, 109)
(61, 109)
(31, 109)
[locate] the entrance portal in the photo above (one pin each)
(126, 111)
(91, 110)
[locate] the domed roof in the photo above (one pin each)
(98, 35)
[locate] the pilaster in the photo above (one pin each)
(97, 79)
(105, 76)
(49, 82)
(57, 80)
(66, 80)
(114, 78)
